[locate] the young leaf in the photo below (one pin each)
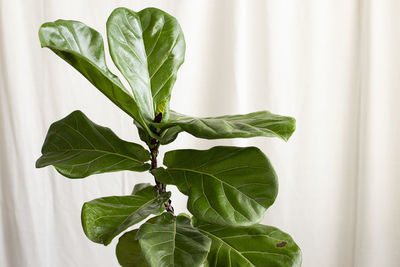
(225, 185)
(169, 135)
(78, 147)
(261, 123)
(148, 48)
(104, 218)
(166, 136)
(139, 187)
(128, 251)
(167, 240)
(250, 246)
(82, 47)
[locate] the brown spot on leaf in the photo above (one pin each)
(282, 244)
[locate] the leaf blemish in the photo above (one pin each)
(281, 245)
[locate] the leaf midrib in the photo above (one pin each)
(105, 73)
(127, 216)
(120, 215)
(215, 177)
(185, 120)
(259, 252)
(96, 150)
(226, 244)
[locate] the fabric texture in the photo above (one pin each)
(333, 65)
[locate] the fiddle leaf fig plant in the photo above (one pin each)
(229, 189)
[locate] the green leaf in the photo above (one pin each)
(225, 185)
(77, 147)
(167, 240)
(166, 136)
(128, 251)
(261, 123)
(139, 187)
(148, 48)
(169, 135)
(82, 47)
(256, 245)
(104, 218)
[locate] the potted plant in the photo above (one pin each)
(228, 188)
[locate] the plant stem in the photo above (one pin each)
(161, 188)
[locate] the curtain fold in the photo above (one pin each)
(333, 65)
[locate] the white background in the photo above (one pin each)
(333, 65)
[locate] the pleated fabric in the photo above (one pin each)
(333, 65)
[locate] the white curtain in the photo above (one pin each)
(333, 65)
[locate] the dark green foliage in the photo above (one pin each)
(229, 188)
(225, 185)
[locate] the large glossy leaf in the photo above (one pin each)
(167, 240)
(128, 251)
(250, 246)
(77, 147)
(261, 123)
(148, 48)
(225, 185)
(83, 48)
(104, 218)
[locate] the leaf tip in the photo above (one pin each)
(41, 34)
(86, 220)
(38, 163)
(290, 129)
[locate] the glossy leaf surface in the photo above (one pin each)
(148, 48)
(169, 135)
(128, 251)
(78, 147)
(139, 187)
(250, 246)
(225, 185)
(104, 218)
(228, 188)
(167, 240)
(82, 47)
(261, 123)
